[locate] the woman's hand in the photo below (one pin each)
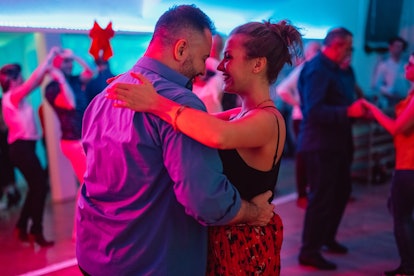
(140, 97)
(56, 74)
(367, 104)
(54, 51)
(370, 109)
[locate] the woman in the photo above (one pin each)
(68, 99)
(402, 184)
(250, 138)
(7, 175)
(23, 134)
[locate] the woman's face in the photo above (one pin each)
(409, 69)
(236, 67)
(19, 80)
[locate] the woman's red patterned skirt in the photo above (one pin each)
(245, 250)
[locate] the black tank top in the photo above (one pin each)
(249, 181)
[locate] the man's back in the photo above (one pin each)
(324, 102)
(148, 189)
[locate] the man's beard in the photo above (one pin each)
(187, 69)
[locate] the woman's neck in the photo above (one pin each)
(248, 106)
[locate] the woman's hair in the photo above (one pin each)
(8, 73)
(277, 42)
(180, 19)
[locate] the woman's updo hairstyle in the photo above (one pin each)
(278, 42)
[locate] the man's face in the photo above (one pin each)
(66, 66)
(199, 47)
(344, 49)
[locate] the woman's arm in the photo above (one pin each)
(227, 114)
(34, 80)
(250, 131)
(403, 123)
(287, 88)
(87, 72)
(65, 98)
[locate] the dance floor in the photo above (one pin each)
(366, 230)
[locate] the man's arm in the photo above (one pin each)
(257, 212)
(87, 73)
(315, 88)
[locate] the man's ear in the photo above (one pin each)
(180, 49)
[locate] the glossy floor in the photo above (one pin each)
(366, 230)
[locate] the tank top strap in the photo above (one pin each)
(278, 134)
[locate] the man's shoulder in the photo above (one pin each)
(178, 94)
(187, 98)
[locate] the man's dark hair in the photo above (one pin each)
(181, 18)
(336, 33)
(399, 39)
(101, 61)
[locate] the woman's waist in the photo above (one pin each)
(274, 221)
(404, 157)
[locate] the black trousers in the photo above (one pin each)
(402, 209)
(329, 179)
(23, 156)
(300, 166)
(7, 176)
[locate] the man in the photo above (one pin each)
(67, 97)
(98, 83)
(149, 190)
(325, 141)
(389, 79)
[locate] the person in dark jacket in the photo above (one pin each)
(325, 140)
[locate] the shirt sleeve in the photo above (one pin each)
(197, 173)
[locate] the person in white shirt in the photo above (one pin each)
(209, 87)
(287, 90)
(388, 80)
(20, 119)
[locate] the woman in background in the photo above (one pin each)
(20, 119)
(402, 184)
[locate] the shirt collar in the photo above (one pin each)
(328, 61)
(164, 71)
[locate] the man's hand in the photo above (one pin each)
(256, 212)
(265, 209)
(357, 109)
